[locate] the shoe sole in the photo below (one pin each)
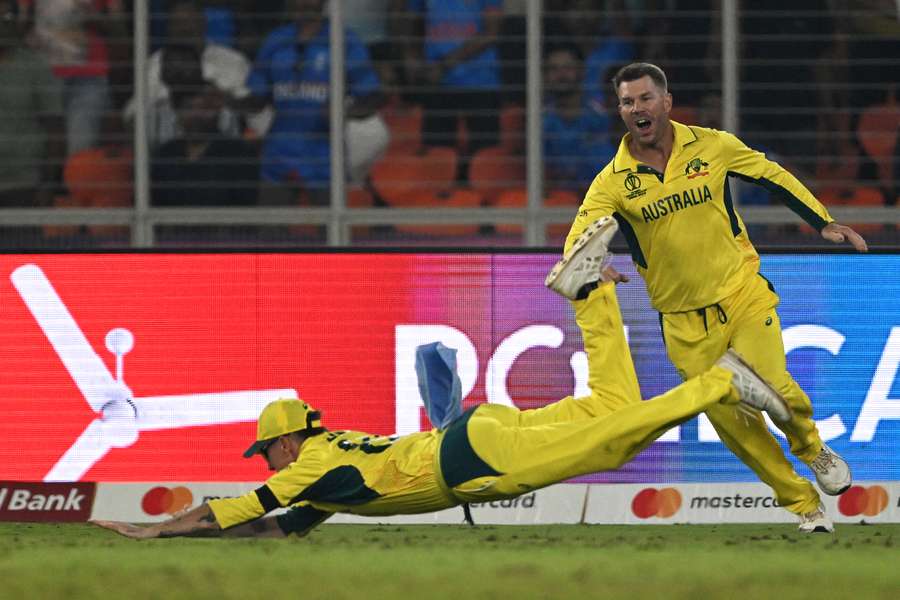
(818, 529)
(746, 365)
(837, 493)
(580, 242)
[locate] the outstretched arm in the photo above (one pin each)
(197, 522)
(753, 166)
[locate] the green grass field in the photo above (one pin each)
(458, 562)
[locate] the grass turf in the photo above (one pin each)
(458, 562)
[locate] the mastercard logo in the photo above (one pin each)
(161, 500)
(651, 502)
(859, 500)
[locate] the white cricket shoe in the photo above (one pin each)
(832, 472)
(583, 263)
(753, 389)
(816, 522)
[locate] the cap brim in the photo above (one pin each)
(256, 448)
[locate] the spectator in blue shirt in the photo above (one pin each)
(576, 134)
(603, 34)
(457, 68)
(291, 72)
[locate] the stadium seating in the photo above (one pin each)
(96, 177)
(494, 170)
(517, 198)
(405, 124)
(424, 178)
(397, 178)
(877, 132)
(358, 197)
(850, 196)
(512, 128)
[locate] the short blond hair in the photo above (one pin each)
(635, 71)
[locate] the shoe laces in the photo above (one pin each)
(746, 412)
(824, 461)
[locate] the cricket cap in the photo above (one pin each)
(283, 416)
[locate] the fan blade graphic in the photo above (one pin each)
(160, 412)
(87, 450)
(86, 368)
(171, 412)
(120, 417)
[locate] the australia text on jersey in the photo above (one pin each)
(674, 202)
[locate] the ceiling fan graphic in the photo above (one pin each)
(120, 416)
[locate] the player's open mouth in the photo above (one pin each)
(642, 124)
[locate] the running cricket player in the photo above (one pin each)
(667, 187)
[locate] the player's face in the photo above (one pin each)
(644, 107)
(279, 454)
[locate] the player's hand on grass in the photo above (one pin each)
(130, 530)
(610, 274)
(834, 232)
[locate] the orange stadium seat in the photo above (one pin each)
(100, 177)
(404, 121)
(561, 198)
(425, 178)
(849, 196)
(494, 170)
(867, 196)
(396, 177)
(856, 196)
(96, 177)
(53, 231)
(836, 174)
(877, 132)
(512, 128)
(450, 198)
(510, 198)
(358, 197)
(519, 198)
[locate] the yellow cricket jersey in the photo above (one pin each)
(685, 237)
(347, 471)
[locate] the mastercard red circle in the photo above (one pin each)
(651, 502)
(645, 503)
(161, 500)
(853, 501)
(156, 500)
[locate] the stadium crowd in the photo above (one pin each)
(237, 106)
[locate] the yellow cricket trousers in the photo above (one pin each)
(520, 450)
(747, 322)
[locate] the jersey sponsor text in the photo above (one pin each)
(675, 202)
